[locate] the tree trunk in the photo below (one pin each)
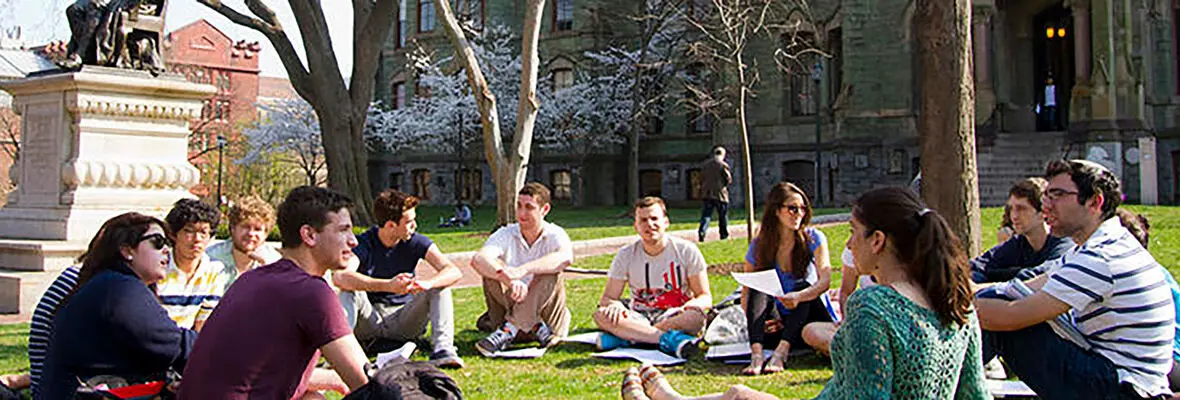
(747, 171)
(347, 165)
(946, 120)
(508, 171)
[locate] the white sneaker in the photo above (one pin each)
(995, 370)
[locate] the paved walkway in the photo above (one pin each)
(33, 284)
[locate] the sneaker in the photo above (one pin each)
(446, 359)
(498, 340)
(544, 335)
(607, 341)
(995, 370)
(679, 344)
(701, 237)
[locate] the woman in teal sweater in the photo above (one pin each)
(914, 336)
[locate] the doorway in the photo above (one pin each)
(1053, 66)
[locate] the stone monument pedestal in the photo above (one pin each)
(94, 144)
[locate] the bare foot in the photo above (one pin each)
(775, 363)
(755, 367)
(656, 386)
(633, 386)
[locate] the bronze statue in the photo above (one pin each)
(116, 33)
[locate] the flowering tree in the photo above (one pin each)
(289, 132)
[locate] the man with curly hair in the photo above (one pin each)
(250, 221)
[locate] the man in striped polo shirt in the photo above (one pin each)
(1109, 286)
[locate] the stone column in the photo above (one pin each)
(98, 143)
(1103, 104)
(1079, 108)
(985, 92)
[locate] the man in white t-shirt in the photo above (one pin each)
(669, 288)
(521, 266)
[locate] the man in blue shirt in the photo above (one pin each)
(383, 298)
(1031, 246)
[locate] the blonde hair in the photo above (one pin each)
(251, 207)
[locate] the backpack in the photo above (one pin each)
(410, 381)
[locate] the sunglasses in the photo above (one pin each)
(158, 240)
(797, 210)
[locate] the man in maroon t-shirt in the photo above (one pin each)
(268, 331)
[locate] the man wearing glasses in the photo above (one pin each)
(1110, 290)
(193, 280)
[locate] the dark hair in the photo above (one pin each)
(537, 190)
(308, 205)
(1029, 189)
(1006, 218)
(931, 253)
(718, 150)
(1091, 179)
(191, 211)
(649, 201)
(390, 204)
(769, 234)
(1137, 224)
(106, 247)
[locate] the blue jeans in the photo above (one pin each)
(722, 217)
(1051, 366)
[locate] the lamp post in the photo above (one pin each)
(817, 76)
(220, 166)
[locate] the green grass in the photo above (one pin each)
(580, 224)
(568, 371)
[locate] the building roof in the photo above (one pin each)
(18, 63)
(273, 87)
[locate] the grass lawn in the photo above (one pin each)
(580, 224)
(568, 371)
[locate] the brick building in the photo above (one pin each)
(1114, 98)
(205, 54)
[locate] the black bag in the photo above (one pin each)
(410, 381)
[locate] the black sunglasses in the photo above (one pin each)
(797, 210)
(159, 241)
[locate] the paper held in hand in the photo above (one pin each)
(762, 281)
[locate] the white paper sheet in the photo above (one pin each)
(590, 338)
(645, 356)
(1008, 388)
(728, 350)
(531, 352)
(398, 356)
(762, 281)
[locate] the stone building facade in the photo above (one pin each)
(1094, 79)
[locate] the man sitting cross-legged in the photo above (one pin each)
(669, 288)
(265, 337)
(521, 266)
(383, 298)
(1110, 287)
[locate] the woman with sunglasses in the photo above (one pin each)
(113, 324)
(799, 253)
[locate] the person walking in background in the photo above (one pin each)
(715, 177)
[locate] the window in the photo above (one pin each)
(470, 11)
(562, 78)
(699, 10)
(802, 174)
(562, 183)
(651, 182)
(695, 190)
(422, 184)
(425, 15)
(563, 15)
(395, 181)
(399, 95)
(402, 25)
(470, 184)
(800, 88)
